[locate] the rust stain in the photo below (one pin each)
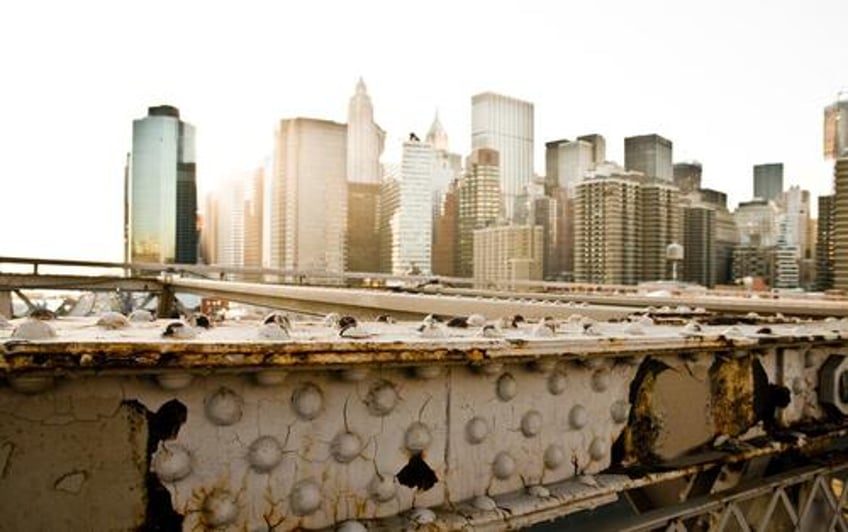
(732, 384)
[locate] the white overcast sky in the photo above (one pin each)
(731, 83)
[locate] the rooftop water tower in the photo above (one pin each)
(674, 254)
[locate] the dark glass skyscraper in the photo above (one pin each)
(768, 181)
(162, 191)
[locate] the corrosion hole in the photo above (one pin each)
(164, 424)
(417, 474)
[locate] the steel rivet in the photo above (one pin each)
(382, 488)
(172, 462)
(31, 384)
(352, 526)
(554, 456)
(354, 374)
(619, 411)
(382, 398)
(504, 465)
(345, 447)
(600, 380)
(531, 423)
(578, 417)
(223, 407)
(476, 430)
(219, 509)
(507, 388)
(264, 454)
(307, 401)
(428, 372)
(305, 497)
(482, 502)
(417, 437)
(556, 382)
(174, 380)
(597, 449)
(422, 516)
(270, 377)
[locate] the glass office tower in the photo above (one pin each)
(162, 191)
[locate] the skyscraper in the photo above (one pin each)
(480, 204)
(506, 125)
(406, 212)
(229, 222)
(254, 208)
(444, 257)
(162, 190)
(607, 229)
(768, 181)
(836, 128)
(623, 223)
(649, 154)
(365, 139)
(309, 195)
(699, 239)
(840, 224)
(687, 176)
(567, 162)
(363, 227)
(825, 251)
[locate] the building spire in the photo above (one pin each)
(437, 136)
(360, 86)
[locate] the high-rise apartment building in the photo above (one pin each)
(687, 176)
(768, 181)
(650, 155)
(607, 230)
(506, 125)
(661, 225)
(840, 224)
(309, 195)
(699, 238)
(506, 254)
(623, 223)
(825, 243)
(162, 189)
(407, 210)
(480, 204)
(365, 139)
(836, 128)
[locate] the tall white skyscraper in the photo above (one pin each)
(407, 209)
(365, 139)
(229, 223)
(506, 125)
(309, 195)
(575, 159)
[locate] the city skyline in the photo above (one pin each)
(729, 91)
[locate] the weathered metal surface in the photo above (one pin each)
(16, 281)
(229, 429)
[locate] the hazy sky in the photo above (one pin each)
(731, 83)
